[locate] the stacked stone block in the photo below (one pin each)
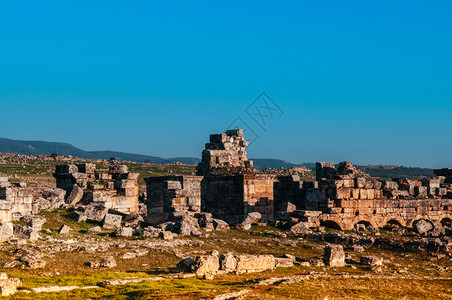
(225, 152)
(15, 201)
(116, 190)
(231, 198)
(168, 196)
(347, 196)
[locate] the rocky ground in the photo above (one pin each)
(73, 254)
(83, 263)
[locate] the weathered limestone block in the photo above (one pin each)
(151, 232)
(6, 231)
(281, 262)
(255, 263)
(106, 262)
(422, 226)
(186, 265)
(95, 212)
(35, 222)
(206, 264)
(118, 169)
(75, 195)
(112, 221)
(371, 260)
(204, 219)
(186, 225)
(220, 225)
(166, 235)
(334, 256)
(300, 228)
(64, 229)
(79, 216)
(228, 262)
(124, 232)
(25, 232)
(8, 286)
(252, 218)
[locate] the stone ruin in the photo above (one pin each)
(228, 188)
(225, 153)
(226, 185)
(170, 195)
(343, 197)
(15, 200)
(117, 189)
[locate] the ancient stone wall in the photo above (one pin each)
(117, 189)
(231, 198)
(224, 152)
(347, 196)
(167, 195)
(15, 201)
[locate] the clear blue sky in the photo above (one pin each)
(364, 81)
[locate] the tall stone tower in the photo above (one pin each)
(225, 153)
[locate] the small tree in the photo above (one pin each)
(112, 159)
(54, 155)
(148, 161)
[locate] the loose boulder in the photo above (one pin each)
(422, 226)
(334, 256)
(112, 221)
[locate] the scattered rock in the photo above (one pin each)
(112, 221)
(75, 196)
(371, 260)
(334, 256)
(8, 286)
(186, 225)
(79, 216)
(358, 248)
(6, 231)
(185, 265)
(95, 212)
(316, 262)
(25, 232)
(206, 264)
(300, 228)
(252, 218)
(95, 229)
(422, 226)
(64, 229)
(124, 232)
(228, 262)
(283, 262)
(255, 263)
(166, 235)
(151, 232)
(220, 225)
(106, 262)
(245, 227)
(35, 222)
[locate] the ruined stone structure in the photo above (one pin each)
(116, 190)
(226, 186)
(346, 196)
(232, 197)
(225, 152)
(167, 195)
(15, 201)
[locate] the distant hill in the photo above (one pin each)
(64, 149)
(385, 171)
